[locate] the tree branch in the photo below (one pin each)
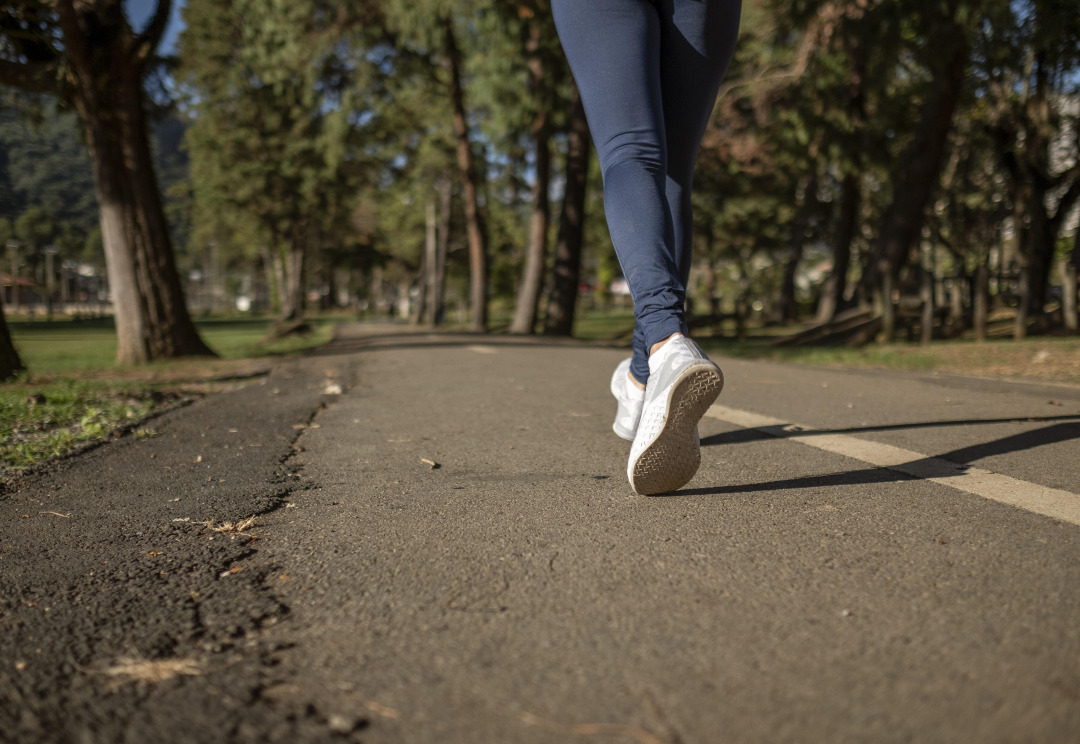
(147, 42)
(36, 78)
(74, 36)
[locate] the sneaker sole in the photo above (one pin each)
(674, 456)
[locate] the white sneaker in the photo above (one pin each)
(630, 397)
(683, 383)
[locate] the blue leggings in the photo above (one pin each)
(649, 71)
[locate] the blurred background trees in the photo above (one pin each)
(874, 168)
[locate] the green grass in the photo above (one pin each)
(74, 391)
(61, 347)
(889, 356)
(1046, 358)
(41, 421)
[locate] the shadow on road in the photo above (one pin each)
(353, 340)
(937, 466)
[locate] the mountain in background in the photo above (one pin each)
(45, 164)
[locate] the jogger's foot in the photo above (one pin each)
(683, 383)
(630, 397)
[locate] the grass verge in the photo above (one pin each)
(74, 393)
(1040, 358)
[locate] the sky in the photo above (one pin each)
(139, 14)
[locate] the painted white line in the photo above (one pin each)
(1050, 502)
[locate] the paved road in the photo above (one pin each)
(856, 578)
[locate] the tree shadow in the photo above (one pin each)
(406, 338)
(947, 465)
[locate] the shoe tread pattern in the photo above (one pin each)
(673, 458)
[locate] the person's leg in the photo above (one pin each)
(613, 47)
(697, 40)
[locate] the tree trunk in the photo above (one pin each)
(1039, 251)
(888, 309)
(926, 295)
(1069, 285)
(438, 277)
(427, 265)
(559, 319)
(956, 306)
(275, 277)
(532, 278)
(787, 310)
(152, 320)
(474, 222)
(293, 280)
(832, 296)
(980, 298)
(918, 170)
(1023, 303)
(10, 363)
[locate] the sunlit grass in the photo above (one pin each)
(74, 392)
(77, 346)
(46, 420)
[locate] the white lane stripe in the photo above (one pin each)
(1051, 502)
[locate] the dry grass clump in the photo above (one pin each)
(143, 671)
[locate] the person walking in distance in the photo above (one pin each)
(649, 72)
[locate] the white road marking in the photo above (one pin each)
(1050, 502)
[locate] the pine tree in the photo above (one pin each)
(90, 58)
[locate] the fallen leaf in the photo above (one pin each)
(430, 463)
(137, 670)
(383, 710)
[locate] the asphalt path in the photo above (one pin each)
(445, 549)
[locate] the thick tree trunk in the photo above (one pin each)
(919, 168)
(832, 296)
(474, 222)
(10, 363)
(152, 319)
(559, 318)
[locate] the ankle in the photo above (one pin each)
(659, 344)
(634, 381)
